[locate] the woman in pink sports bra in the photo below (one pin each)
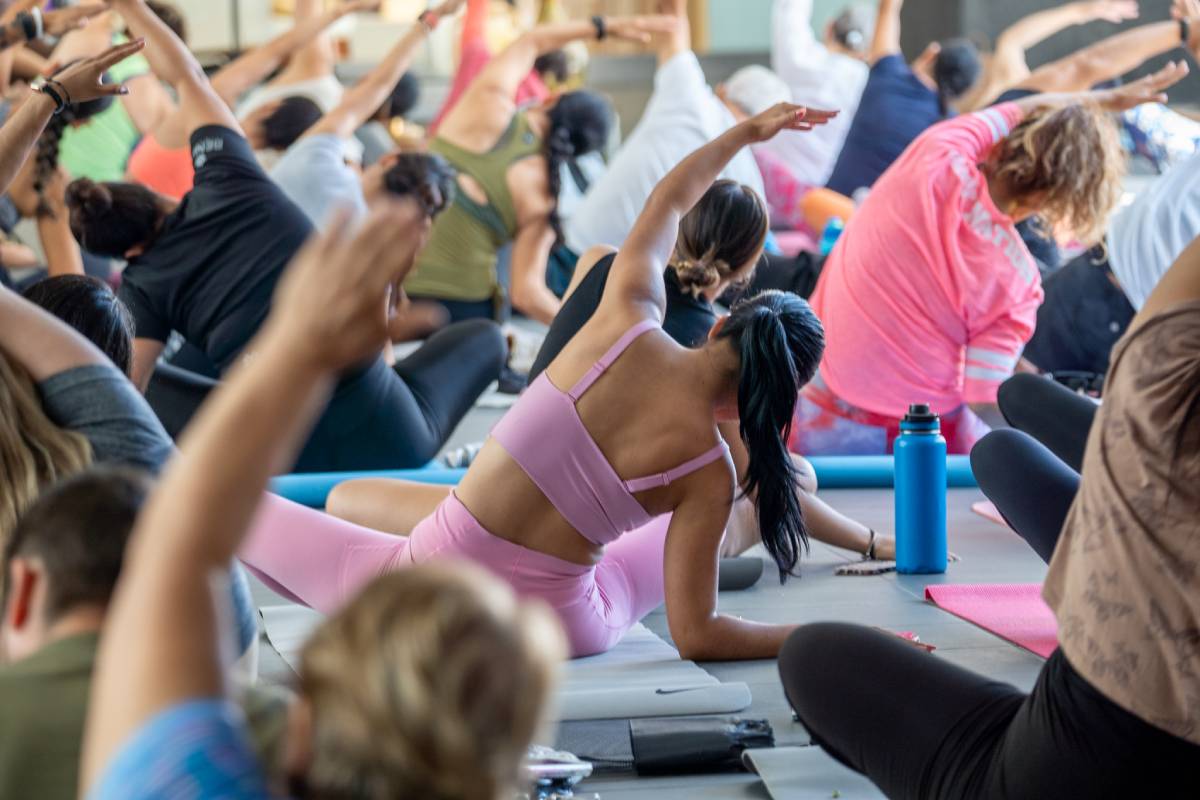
(607, 488)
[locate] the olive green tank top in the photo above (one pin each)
(459, 263)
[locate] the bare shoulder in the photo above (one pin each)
(529, 184)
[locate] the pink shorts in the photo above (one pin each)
(321, 561)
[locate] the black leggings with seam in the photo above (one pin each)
(1031, 472)
(400, 417)
(923, 728)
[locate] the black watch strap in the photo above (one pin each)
(601, 27)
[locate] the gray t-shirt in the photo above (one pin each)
(314, 175)
(99, 402)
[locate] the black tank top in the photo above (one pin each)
(688, 319)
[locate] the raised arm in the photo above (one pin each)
(1110, 58)
(161, 638)
(637, 274)
(316, 57)
(504, 73)
(81, 82)
(679, 39)
(887, 31)
(368, 94)
(1041, 25)
(1150, 89)
(174, 63)
(40, 342)
(256, 65)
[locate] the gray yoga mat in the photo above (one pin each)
(643, 676)
(807, 773)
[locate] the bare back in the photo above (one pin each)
(641, 415)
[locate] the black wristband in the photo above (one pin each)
(28, 24)
(1185, 32)
(50, 89)
(601, 27)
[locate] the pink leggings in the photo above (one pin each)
(321, 562)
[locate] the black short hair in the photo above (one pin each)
(403, 99)
(91, 307)
(78, 528)
(288, 122)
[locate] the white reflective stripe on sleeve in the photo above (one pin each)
(993, 357)
(981, 374)
(996, 121)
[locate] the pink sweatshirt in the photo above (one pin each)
(930, 295)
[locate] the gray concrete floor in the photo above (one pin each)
(990, 554)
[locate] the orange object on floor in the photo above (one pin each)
(821, 205)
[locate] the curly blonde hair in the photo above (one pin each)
(1069, 163)
(431, 684)
(34, 452)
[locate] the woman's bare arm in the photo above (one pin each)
(161, 644)
(636, 280)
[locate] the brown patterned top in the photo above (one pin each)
(1125, 579)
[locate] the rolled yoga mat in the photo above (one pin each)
(833, 472)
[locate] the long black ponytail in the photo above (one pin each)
(50, 142)
(580, 123)
(780, 342)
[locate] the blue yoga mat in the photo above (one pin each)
(833, 472)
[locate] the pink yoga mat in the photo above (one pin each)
(987, 509)
(1013, 611)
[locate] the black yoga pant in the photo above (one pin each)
(1049, 412)
(1031, 487)
(399, 418)
(1031, 474)
(922, 728)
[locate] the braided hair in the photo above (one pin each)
(46, 155)
(579, 124)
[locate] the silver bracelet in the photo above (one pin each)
(38, 21)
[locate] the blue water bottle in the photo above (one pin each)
(831, 234)
(920, 493)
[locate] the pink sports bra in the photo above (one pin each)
(544, 434)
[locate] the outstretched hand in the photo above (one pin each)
(349, 7)
(1115, 11)
(81, 80)
(333, 305)
(786, 117)
(1150, 89)
(642, 28)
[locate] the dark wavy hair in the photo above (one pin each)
(109, 219)
(288, 122)
(580, 123)
(91, 307)
(417, 175)
(780, 342)
(49, 144)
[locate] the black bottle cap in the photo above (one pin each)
(920, 412)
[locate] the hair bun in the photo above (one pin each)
(696, 275)
(92, 198)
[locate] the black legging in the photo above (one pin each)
(377, 422)
(1031, 473)
(923, 728)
